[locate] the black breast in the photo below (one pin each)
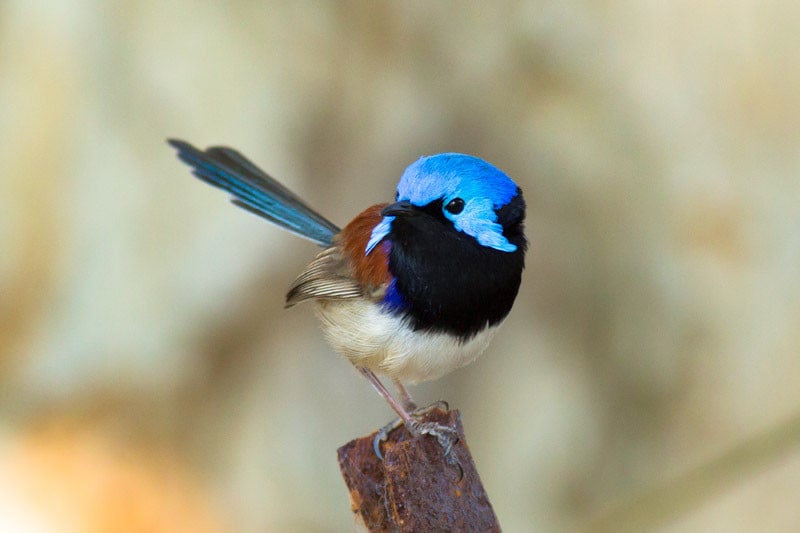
(448, 281)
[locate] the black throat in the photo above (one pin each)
(447, 280)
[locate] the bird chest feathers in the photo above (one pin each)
(372, 337)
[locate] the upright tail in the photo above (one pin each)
(255, 191)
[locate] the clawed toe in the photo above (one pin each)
(446, 436)
(382, 435)
(422, 411)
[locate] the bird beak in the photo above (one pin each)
(399, 209)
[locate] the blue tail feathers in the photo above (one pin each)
(256, 191)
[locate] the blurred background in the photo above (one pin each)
(647, 378)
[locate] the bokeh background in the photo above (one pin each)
(647, 378)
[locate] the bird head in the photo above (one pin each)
(463, 191)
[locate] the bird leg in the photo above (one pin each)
(381, 389)
(405, 396)
(445, 435)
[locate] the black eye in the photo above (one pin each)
(455, 206)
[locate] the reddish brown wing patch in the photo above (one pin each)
(371, 270)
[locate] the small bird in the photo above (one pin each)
(410, 290)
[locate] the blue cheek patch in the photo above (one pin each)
(479, 220)
(379, 233)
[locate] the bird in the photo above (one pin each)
(409, 290)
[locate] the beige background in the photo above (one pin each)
(150, 378)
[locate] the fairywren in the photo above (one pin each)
(410, 290)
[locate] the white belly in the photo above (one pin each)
(372, 338)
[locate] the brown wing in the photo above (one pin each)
(343, 271)
(327, 276)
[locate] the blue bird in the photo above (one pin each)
(410, 290)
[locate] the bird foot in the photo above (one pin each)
(446, 436)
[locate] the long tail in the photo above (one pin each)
(255, 191)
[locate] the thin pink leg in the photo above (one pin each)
(394, 404)
(405, 397)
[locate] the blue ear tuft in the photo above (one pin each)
(379, 232)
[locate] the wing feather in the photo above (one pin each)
(326, 277)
